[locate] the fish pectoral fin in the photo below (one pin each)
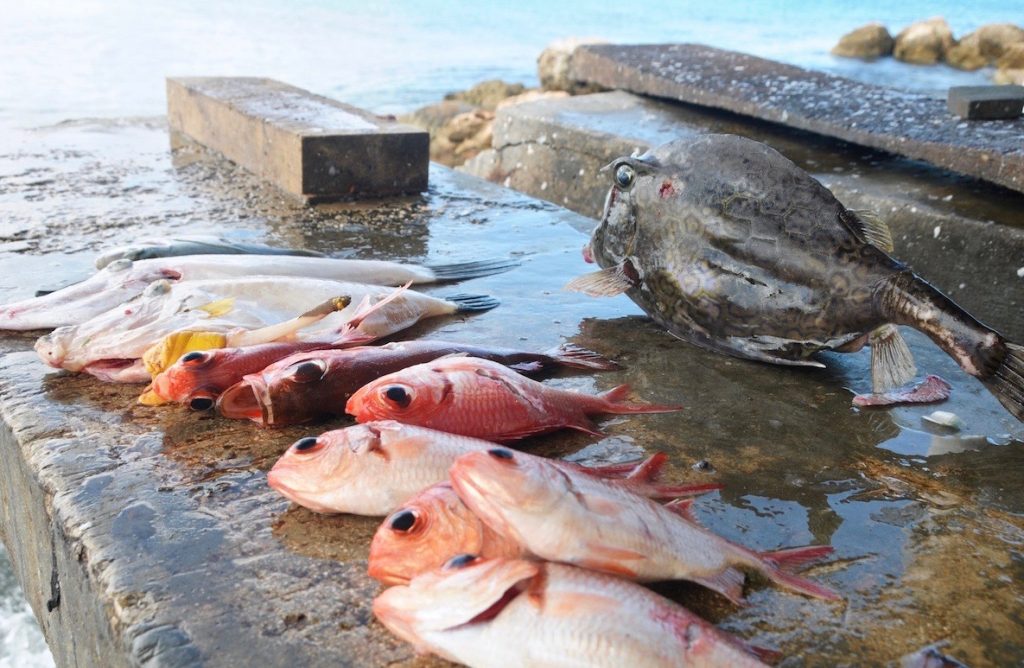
(599, 505)
(151, 398)
(218, 308)
(608, 282)
(869, 227)
(728, 583)
(892, 363)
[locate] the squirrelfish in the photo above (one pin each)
(435, 525)
(316, 384)
(588, 522)
(475, 397)
(510, 613)
(732, 247)
(122, 280)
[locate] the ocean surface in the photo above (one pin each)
(73, 59)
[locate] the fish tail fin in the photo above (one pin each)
(574, 356)
(472, 303)
(1007, 381)
(466, 270)
(906, 299)
(648, 469)
(778, 565)
(892, 364)
(614, 401)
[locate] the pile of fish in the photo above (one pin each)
(496, 557)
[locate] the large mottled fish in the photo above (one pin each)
(732, 247)
(111, 345)
(123, 280)
(511, 613)
(435, 525)
(587, 522)
(315, 385)
(475, 397)
(193, 244)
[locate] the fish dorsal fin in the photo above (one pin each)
(219, 307)
(869, 227)
(608, 282)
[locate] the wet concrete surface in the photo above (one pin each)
(964, 235)
(153, 535)
(909, 124)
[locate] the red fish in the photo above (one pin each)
(315, 385)
(475, 397)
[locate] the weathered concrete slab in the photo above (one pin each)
(310, 146)
(167, 548)
(904, 123)
(986, 102)
(966, 237)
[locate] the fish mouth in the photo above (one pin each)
(242, 401)
(588, 254)
(118, 371)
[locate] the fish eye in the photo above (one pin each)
(309, 371)
(194, 358)
(200, 402)
(624, 176)
(307, 445)
(398, 395)
(459, 561)
(501, 453)
(403, 521)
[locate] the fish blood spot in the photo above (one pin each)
(500, 453)
(398, 395)
(305, 444)
(403, 521)
(666, 190)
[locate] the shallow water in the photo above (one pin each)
(71, 60)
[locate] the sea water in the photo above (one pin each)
(72, 59)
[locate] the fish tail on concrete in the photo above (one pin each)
(467, 270)
(777, 566)
(907, 299)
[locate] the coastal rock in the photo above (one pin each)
(462, 137)
(554, 63)
(531, 96)
(1011, 66)
(984, 46)
(433, 117)
(868, 42)
(487, 94)
(924, 42)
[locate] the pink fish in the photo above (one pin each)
(587, 522)
(475, 397)
(505, 613)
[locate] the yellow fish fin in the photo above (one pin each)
(167, 351)
(219, 307)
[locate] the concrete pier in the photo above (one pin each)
(148, 537)
(904, 123)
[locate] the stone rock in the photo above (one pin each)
(487, 94)
(462, 137)
(531, 96)
(868, 42)
(434, 116)
(984, 46)
(1012, 58)
(554, 63)
(924, 42)
(1012, 76)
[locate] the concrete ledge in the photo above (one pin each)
(310, 146)
(942, 226)
(904, 123)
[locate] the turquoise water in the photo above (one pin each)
(85, 58)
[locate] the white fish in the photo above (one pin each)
(508, 613)
(110, 345)
(122, 280)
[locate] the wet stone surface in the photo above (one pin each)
(153, 535)
(909, 124)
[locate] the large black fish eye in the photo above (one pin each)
(201, 403)
(501, 453)
(306, 444)
(398, 395)
(624, 176)
(403, 521)
(194, 358)
(309, 371)
(459, 561)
